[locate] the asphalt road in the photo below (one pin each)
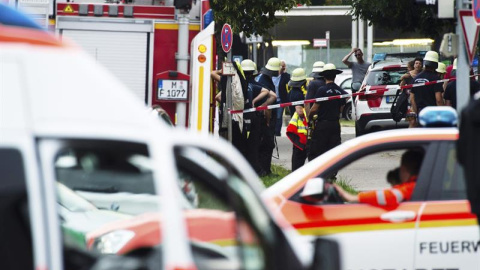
(365, 174)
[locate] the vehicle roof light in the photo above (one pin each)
(438, 116)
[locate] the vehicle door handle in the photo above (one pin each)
(398, 216)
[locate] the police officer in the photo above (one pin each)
(326, 133)
(270, 70)
(450, 94)
(316, 83)
(256, 96)
(297, 128)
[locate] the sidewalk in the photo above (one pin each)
(285, 146)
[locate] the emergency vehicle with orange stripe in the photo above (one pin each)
(434, 229)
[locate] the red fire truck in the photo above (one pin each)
(140, 45)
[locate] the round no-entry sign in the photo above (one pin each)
(476, 11)
(227, 38)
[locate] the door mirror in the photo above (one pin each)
(326, 255)
(314, 190)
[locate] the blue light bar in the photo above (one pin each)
(12, 17)
(438, 116)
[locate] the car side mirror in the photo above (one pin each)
(326, 255)
(314, 189)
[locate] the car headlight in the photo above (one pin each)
(112, 242)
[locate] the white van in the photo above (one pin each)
(79, 155)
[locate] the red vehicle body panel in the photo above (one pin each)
(204, 225)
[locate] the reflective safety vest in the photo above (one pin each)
(389, 197)
(297, 131)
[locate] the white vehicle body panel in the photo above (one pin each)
(64, 94)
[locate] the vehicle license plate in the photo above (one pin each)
(172, 89)
(390, 99)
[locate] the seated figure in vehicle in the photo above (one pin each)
(409, 168)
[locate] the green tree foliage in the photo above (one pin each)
(251, 16)
(403, 15)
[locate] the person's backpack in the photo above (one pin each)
(399, 105)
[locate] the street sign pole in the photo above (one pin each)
(229, 101)
(227, 42)
(463, 66)
(327, 36)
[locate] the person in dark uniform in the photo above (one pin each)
(238, 88)
(450, 94)
(317, 82)
(297, 128)
(326, 134)
(280, 83)
(256, 96)
(427, 95)
(267, 145)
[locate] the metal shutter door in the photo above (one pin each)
(123, 53)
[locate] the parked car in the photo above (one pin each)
(78, 216)
(344, 80)
(372, 111)
(433, 230)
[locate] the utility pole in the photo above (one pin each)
(463, 67)
(327, 37)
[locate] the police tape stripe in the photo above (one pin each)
(368, 92)
(307, 101)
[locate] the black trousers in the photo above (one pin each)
(267, 142)
(253, 131)
(326, 136)
(298, 158)
(238, 138)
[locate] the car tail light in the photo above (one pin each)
(362, 97)
(373, 100)
(362, 90)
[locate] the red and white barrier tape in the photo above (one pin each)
(367, 92)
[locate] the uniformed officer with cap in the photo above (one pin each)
(316, 83)
(270, 70)
(256, 96)
(297, 128)
(427, 95)
(326, 134)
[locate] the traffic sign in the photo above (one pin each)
(476, 10)
(320, 42)
(470, 32)
(227, 38)
(254, 39)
